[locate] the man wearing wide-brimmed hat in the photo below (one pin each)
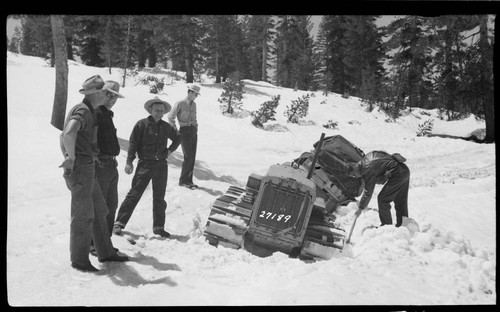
(149, 140)
(185, 112)
(109, 148)
(88, 207)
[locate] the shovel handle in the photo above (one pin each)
(316, 152)
(352, 228)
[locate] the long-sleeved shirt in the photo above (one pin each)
(185, 113)
(373, 165)
(107, 141)
(149, 140)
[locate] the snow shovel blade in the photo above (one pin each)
(347, 250)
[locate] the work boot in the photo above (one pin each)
(116, 257)
(84, 268)
(93, 252)
(186, 185)
(162, 233)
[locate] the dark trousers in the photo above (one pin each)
(147, 170)
(107, 175)
(395, 190)
(88, 214)
(189, 142)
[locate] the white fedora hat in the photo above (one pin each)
(147, 105)
(194, 88)
(113, 87)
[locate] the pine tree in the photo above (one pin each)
(298, 109)
(259, 31)
(412, 38)
(230, 98)
(332, 29)
(266, 112)
(86, 36)
(15, 42)
(184, 33)
(350, 56)
(224, 44)
(37, 36)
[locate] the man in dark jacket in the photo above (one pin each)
(379, 167)
(109, 147)
(149, 141)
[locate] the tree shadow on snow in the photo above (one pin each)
(201, 170)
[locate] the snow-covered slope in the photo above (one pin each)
(452, 260)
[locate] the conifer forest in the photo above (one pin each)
(441, 62)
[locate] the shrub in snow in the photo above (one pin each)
(425, 128)
(230, 98)
(266, 111)
(298, 109)
(155, 85)
(331, 124)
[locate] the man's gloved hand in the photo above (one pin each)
(129, 168)
(67, 165)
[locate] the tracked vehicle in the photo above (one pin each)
(291, 208)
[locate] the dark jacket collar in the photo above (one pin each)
(89, 105)
(105, 110)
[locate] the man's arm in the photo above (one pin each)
(68, 138)
(176, 139)
(68, 143)
(173, 114)
(367, 193)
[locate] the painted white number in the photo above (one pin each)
(280, 217)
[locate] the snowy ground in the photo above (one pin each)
(451, 261)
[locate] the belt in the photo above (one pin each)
(106, 157)
(188, 124)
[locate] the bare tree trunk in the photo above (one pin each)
(108, 43)
(188, 54)
(286, 63)
(217, 73)
(61, 64)
(217, 46)
(264, 50)
(125, 65)
(487, 77)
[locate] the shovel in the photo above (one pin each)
(347, 250)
